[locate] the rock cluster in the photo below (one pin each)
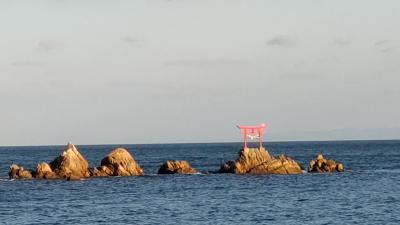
(71, 165)
(259, 161)
(176, 167)
(118, 163)
(322, 165)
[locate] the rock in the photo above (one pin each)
(102, 171)
(339, 167)
(259, 161)
(14, 169)
(118, 163)
(322, 165)
(176, 167)
(17, 172)
(228, 167)
(69, 164)
(44, 171)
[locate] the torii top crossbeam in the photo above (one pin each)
(252, 132)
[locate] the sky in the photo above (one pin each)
(171, 71)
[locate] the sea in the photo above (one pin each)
(367, 193)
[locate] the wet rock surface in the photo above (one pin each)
(322, 165)
(259, 161)
(118, 162)
(176, 167)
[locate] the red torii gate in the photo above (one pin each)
(252, 132)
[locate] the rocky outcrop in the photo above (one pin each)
(70, 165)
(322, 165)
(17, 172)
(259, 161)
(118, 163)
(176, 167)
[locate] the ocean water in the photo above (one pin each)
(369, 193)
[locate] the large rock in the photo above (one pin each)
(17, 172)
(259, 161)
(176, 167)
(118, 163)
(70, 164)
(322, 165)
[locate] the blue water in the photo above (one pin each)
(368, 194)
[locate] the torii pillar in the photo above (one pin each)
(252, 132)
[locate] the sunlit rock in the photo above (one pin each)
(176, 167)
(17, 172)
(322, 165)
(70, 164)
(118, 163)
(259, 161)
(44, 171)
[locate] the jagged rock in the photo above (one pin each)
(44, 171)
(118, 163)
(17, 172)
(176, 167)
(69, 164)
(322, 165)
(259, 161)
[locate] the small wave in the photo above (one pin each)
(6, 179)
(386, 170)
(150, 175)
(184, 174)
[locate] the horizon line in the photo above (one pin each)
(222, 142)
